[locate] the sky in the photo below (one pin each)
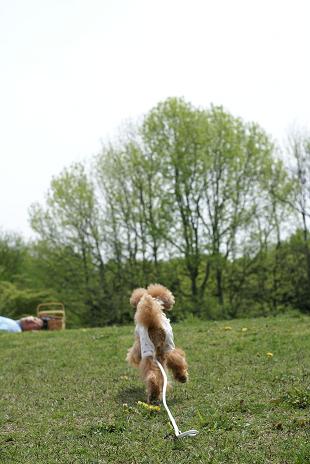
(72, 72)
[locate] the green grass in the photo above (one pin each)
(69, 397)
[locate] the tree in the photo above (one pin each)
(299, 151)
(213, 168)
(71, 241)
(13, 252)
(193, 198)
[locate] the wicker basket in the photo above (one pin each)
(55, 312)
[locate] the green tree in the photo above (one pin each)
(71, 242)
(299, 151)
(193, 198)
(13, 252)
(214, 168)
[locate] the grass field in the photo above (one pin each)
(69, 397)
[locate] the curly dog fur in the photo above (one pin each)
(151, 304)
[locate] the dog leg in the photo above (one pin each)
(177, 363)
(152, 378)
(134, 354)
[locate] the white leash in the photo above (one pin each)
(177, 431)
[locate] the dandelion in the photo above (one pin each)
(227, 327)
(270, 355)
(244, 329)
(148, 407)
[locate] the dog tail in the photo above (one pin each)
(148, 312)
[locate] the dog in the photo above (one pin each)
(154, 339)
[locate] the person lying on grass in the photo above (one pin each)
(22, 325)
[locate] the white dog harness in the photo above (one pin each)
(147, 346)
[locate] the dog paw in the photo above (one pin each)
(153, 399)
(181, 377)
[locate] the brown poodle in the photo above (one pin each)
(154, 339)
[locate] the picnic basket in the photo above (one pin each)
(54, 313)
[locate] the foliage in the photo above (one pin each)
(13, 252)
(194, 198)
(16, 302)
(19, 296)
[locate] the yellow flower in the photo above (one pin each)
(244, 329)
(227, 327)
(270, 355)
(149, 407)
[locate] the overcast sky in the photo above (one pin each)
(72, 71)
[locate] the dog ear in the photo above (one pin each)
(136, 296)
(163, 294)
